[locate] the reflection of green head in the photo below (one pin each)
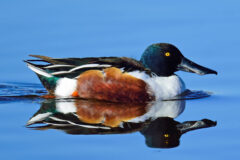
(162, 133)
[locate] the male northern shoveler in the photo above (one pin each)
(117, 79)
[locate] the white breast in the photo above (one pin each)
(162, 87)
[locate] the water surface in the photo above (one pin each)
(206, 32)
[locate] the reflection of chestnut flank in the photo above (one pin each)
(112, 85)
(109, 114)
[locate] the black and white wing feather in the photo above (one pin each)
(73, 67)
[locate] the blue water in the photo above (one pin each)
(206, 32)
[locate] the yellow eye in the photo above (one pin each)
(166, 135)
(167, 54)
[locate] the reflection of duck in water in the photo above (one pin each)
(154, 120)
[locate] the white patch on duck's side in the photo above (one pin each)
(162, 87)
(81, 67)
(89, 66)
(66, 106)
(65, 87)
(59, 66)
(160, 108)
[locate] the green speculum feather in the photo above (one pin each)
(49, 83)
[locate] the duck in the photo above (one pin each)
(117, 79)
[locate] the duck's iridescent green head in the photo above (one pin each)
(164, 59)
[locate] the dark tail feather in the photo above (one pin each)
(49, 81)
